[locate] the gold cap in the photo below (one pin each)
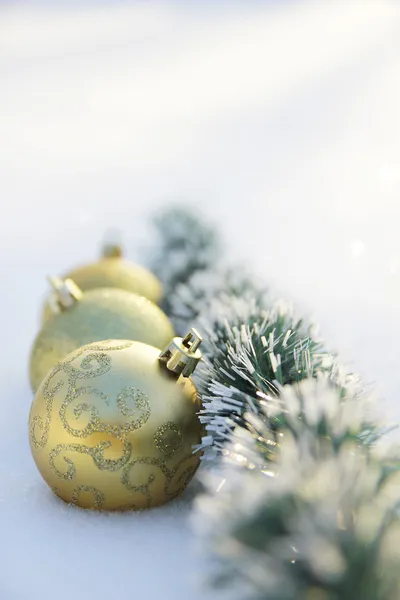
(112, 244)
(66, 293)
(182, 355)
(111, 251)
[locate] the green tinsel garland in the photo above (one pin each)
(305, 506)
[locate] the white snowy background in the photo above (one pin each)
(279, 121)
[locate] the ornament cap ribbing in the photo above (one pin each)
(66, 293)
(182, 355)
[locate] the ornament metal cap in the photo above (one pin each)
(112, 251)
(182, 355)
(66, 293)
(112, 244)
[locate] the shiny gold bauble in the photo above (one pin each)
(112, 428)
(93, 316)
(112, 271)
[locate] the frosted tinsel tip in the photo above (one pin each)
(297, 524)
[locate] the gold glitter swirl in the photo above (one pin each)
(37, 421)
(168, 439)
(96, 453)
(109, 464)
(85, 371)
(181, 475)
(110, 345)
(99, 497)
(94, 423)
(86, 367)
(140, 412)
(141, 406)
(101, 347)
(71, 471)
(144, 487)
(105, 346)
(47, 392)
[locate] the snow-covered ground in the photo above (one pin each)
(279, 120)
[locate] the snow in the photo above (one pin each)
(280, 121)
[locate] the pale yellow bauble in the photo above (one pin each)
(92, 316)
(114, 424)
(112, 271)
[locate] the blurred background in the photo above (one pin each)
(279, 121)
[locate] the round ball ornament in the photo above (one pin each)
(111, 271)
(113, 425)
(93, 316)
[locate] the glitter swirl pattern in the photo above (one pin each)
(86, 434)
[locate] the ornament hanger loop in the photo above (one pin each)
(66, 292)
(182, 355)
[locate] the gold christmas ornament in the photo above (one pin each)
(111, 271)
(93, 316)
(113, 424)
